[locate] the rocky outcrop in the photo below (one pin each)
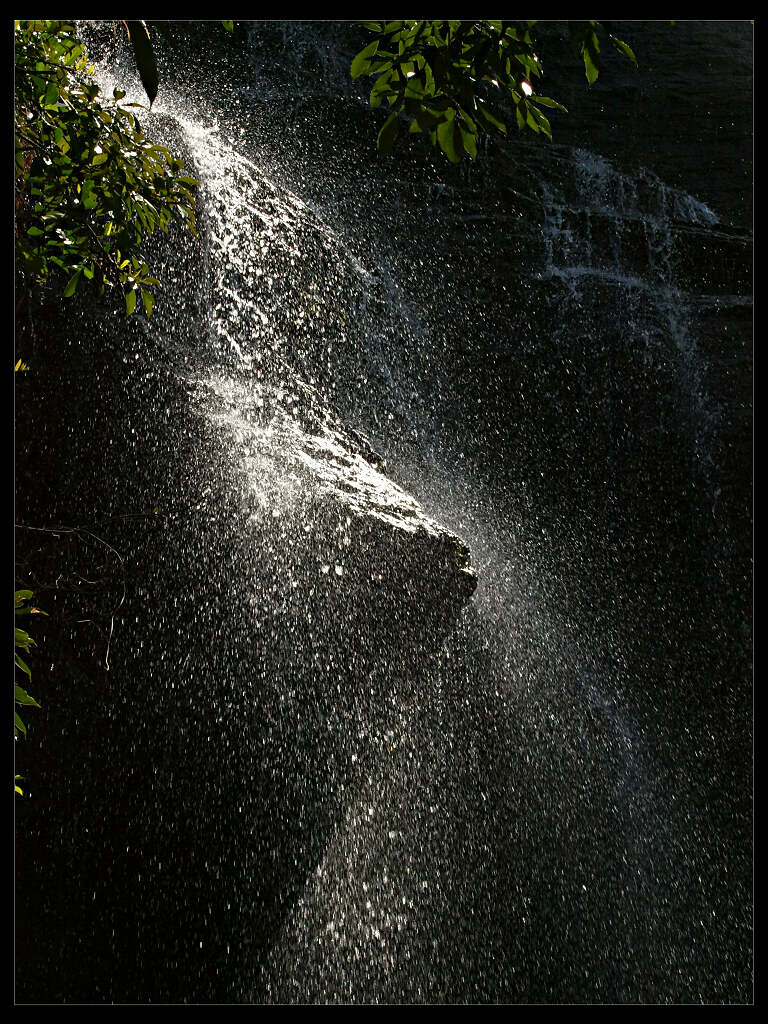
(385, 541)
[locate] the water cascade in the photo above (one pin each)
(400, 632)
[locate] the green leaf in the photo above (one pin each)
(145, 58)
(229, 25)
(51, 95)
(449, 137)
(21, 696)
(361, 62)
(591, 69)
(381, 89)
(72, 284)
(148, 300)
(22, 665)
(130, 301)
(19, 724)
(490, 120)
(387, 134)
(540, 119)
(623, 48)
(22, 639)
(530, 120)
(590, 53)
(426, 120)
(547, 102)
(469, 140)
(414, 88)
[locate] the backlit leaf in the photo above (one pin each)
(21, 696)
(22, 665)
(72, 284)
(623, 48)
(387, 134)
(361, 62)
(145, 58)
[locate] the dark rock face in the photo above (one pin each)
(297, 592)
(391, 544)
(685, 111)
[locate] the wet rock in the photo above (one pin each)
(390, 544)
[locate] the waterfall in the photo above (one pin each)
(429, 679)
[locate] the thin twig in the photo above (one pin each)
(111, 629)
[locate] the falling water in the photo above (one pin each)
(332, 761)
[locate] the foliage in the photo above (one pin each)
(448, 79)
(90, 186)
(144, 54)
(585, 39)
(23, 641)
(145, 57)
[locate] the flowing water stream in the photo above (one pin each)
(355, 785)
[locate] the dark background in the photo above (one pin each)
(571, 769)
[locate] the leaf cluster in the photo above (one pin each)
(23, 641)
(453, 80)
(584, 35)
(90, 187)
